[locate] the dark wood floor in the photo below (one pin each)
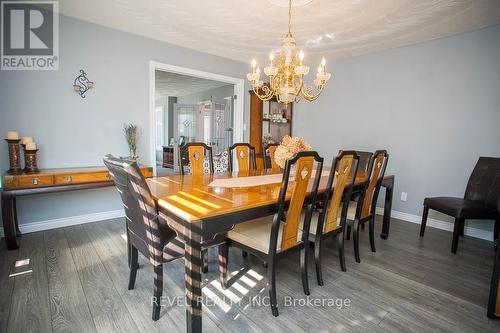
(79, 284)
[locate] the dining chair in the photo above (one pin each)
(146, 231)
(245, 157)
(269, 151)
(330, 221)
(274, 237)
(481, 200)
(363, 210)
(194, 154)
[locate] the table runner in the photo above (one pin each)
(251, 181)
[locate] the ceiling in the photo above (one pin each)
(243, 29)
(171, 84)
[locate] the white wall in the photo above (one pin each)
(434, 106)
(76, 132)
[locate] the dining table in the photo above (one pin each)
(200, 208)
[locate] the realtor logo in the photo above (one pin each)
(29, 35)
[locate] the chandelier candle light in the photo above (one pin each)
(286, 74)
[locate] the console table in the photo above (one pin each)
(48, 181)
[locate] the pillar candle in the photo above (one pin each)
(30, 146)
(12, 135)
(26, 139)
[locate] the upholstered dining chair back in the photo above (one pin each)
(245, 157)
(484, 182)
(307, 167)
(269, 151)
(375, 175)
(340, 182)
(141, 212)
(194, 154)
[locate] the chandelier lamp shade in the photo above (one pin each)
(286, 73)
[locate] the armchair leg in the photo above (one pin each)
(303, 268)
(133, 265)
(158, 291)
(356, 240)
(223, 257)
(372, 233)
(456, 233)
(271, 279)
(424, 221)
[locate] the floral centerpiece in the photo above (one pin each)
(132, 136)
(288, 147)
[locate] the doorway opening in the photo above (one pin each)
(192, 106)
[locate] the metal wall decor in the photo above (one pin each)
(82, 84)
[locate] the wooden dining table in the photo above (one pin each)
(199, 213)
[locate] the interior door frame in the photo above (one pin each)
(239, 103)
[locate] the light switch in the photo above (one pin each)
(404, 196)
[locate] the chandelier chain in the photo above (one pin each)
(289, 16)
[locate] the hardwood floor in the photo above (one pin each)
(80, 276)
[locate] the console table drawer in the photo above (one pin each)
(78, 178)
(35, 181)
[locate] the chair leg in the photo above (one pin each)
(462, 228)
(271, 280)
(356, 240)
(223, 257)
(133, 265)
(456, 233)
(303, 268)
(348, 236)
(204, 256)
(244, 254)
(158, 291)
(317, 260)
(372, 233)
(424, 221)
(340, 243)
(496, 232)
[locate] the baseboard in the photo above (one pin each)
(69, 221)
(438, 224)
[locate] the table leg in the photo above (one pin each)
(389, 187)
(9, 226)
(14, 209)
(193, 262)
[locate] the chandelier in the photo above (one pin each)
(286, 73)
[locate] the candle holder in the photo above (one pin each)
(30, 161)
(14, 156)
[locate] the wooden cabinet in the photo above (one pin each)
(168, 157)
(268, 118)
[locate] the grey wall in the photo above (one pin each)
(75, 132)
(217, 93)
(434, 106)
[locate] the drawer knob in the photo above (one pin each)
(69, 179)
(36, 181)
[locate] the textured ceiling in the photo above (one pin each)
(242, 29)
(170, 84)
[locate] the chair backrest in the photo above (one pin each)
(484, 182)
(269, 151)
(245, 157)
(194, 155)
(140, 207)
(303, 163)
(375, 175)
(341, 179)
(364, 159)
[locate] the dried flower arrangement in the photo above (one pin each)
(132, 135)
(288, 147)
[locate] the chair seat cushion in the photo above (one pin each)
(461, 208)
(256, 234)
